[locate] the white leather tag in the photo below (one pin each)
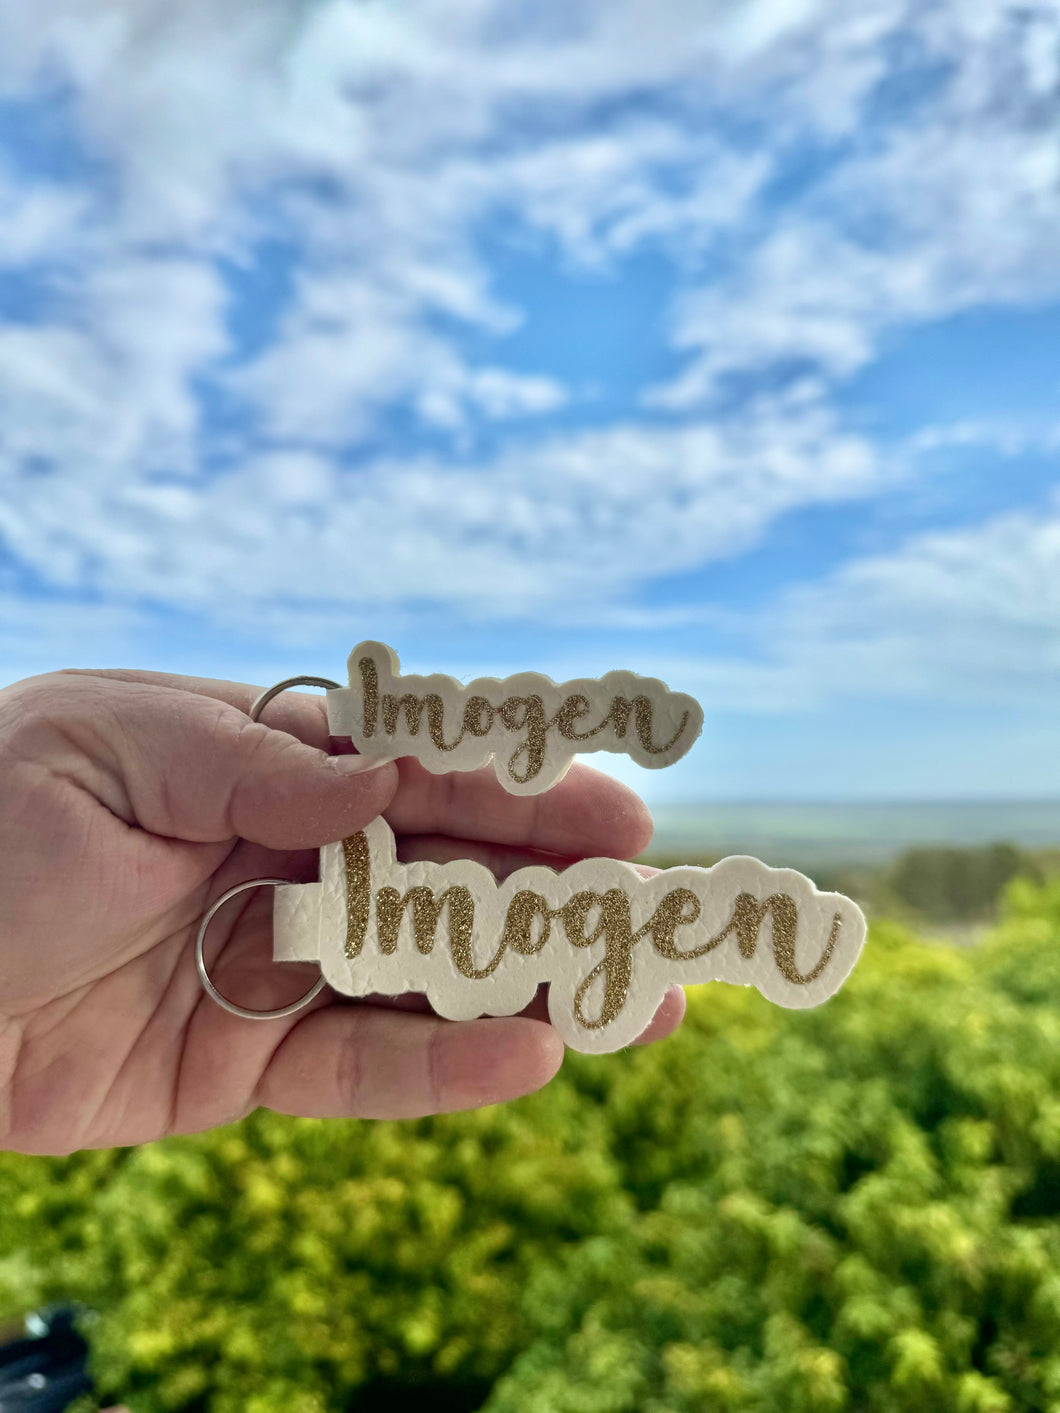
(606, 940)
(530, 727)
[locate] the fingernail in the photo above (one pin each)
(358, 765)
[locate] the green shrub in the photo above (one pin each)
(849, 1208)
(959, 885)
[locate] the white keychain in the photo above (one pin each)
(530, 727)
(607, 941)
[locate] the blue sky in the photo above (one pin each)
(718, 341)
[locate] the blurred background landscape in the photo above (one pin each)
(718, 341)
(944, 867)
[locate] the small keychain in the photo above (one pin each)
(607, 941)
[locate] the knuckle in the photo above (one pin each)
(26, 708)
(232, 730)
(253, 741)
(45, 720)
(251, 744)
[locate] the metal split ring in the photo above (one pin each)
(200, 961)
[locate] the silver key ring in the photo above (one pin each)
(200, 961)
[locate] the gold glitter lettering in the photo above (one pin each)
(588, 918)
(572, 710)
(392, 707)
(461, 940)
(391, 907)
(532, 720)
(616, 965)
(527, 725)
(523, 911)
(618, 715)
(474, 724)
(749, 915)
(747, 919)
(357, 855)
(784, 951)
(668, 917)
(577, 706)
(413, 707)
(643, 713)
(370, 688)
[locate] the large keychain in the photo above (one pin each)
(606, 940)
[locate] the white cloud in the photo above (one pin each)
(951, 202)
(35, 222)
(969, 599)
(563, 524)
(968, 616)
(379, 140)
(106, 386)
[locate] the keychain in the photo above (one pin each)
(607, 941)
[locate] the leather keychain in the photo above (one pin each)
(607, 940)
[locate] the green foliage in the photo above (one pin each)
(854, 1208)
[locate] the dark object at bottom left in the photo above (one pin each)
(45, 1369)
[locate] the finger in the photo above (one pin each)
(586, 813)
(337, 1059)
(501, 859)
(298, 713)
(246, 860)
(194, 768)
(377, 1063)
(666, 1019)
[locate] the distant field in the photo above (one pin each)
(805, 835)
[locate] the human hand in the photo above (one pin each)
(128, 801)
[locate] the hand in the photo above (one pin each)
(128, 802)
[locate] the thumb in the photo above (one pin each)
(190, 767)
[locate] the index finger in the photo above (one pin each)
(298, 713)
(586, 813)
